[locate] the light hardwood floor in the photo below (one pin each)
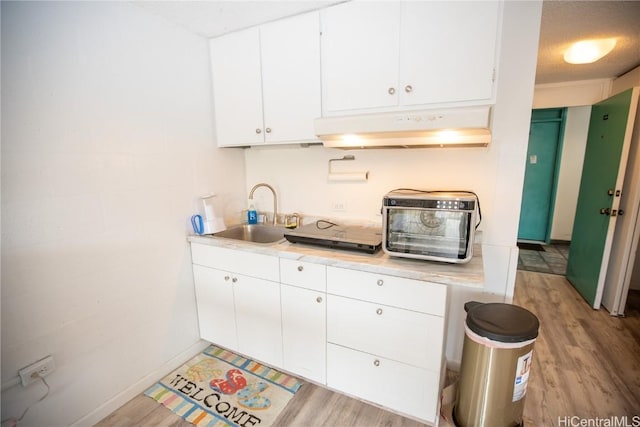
(586, 364)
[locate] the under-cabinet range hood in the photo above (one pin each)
(456, 127)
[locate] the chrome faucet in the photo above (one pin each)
(275, 199)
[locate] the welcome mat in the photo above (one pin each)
(218, 388)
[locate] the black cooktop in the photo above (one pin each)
(328, 234)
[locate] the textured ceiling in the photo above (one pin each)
(563, 22)
(213, 18)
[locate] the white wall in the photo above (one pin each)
(572, 158)
(496, 173)
(626, 81)
(107, 141)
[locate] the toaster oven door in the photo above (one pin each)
(442, 235)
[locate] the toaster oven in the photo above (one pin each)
(430, 225)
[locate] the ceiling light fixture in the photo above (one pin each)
(588, 51)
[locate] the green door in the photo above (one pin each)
(543, 157)
(608, 143)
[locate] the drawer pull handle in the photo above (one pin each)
(376, 362)
(226, 278)
(380, 282)
(319, 300)
(391, 91)
(300, 268)
(234, 280)
(379, 311)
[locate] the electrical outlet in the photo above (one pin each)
(339, 207)
(41, 368)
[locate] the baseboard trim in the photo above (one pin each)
(138, 387)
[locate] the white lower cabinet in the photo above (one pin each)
(385, 339)
(258, 319)
(216, 310)
(239, 311)
(397, 386)
(304, 335)
(391, 332)
(304, 318)
(373, 336)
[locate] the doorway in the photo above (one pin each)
(541, 175)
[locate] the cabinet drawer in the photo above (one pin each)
(303, 274)
(406, 336)
(400, 387)
(425, 297)
(247, 263)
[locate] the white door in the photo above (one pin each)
(304, 335)
(214, 298)
(291, 78)
(627, 234)
(457, 45)
(360, 42)
(237, 88)
(258, 319)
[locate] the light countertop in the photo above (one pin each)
(469, 274)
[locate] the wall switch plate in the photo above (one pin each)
(41, 368)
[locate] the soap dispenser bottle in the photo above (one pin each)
(252, 215)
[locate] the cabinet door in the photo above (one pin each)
(304, 332)
(360, 42)
(214, 299)
(237, 89)
(291, 78)
(447, 51)
(257, 304)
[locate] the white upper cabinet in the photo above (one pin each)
(266, 83)
(291, 78)
(237, 88)
(360, 55)
(382, 56)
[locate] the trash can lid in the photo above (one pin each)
(501, 322)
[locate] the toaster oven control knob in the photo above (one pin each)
(380, 282)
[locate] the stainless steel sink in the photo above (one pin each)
(256, 233)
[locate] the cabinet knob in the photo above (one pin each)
(300, 268)
(376, 362)
(380, 282)
(258, 131)
(391, 90)
(408, 88)
(268, 130)
(319, 300)
(234, 280)
(379, 311)
(226, 278)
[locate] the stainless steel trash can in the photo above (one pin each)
(496, 361)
